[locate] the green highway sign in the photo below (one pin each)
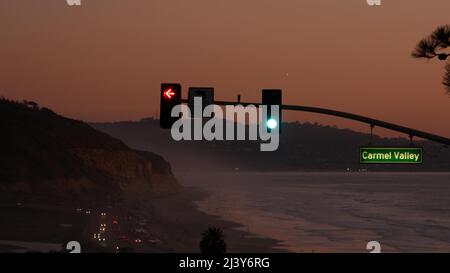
(385, 155)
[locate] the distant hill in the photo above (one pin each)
(303, 147)
(43, 152)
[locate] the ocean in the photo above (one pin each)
(333, 212)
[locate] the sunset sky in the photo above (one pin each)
(105, 60)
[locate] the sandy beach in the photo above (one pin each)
(178, 223)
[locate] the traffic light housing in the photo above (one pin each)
(272, 97)
(170, 97)
(206, 93)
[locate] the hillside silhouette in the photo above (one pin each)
(303, 147)
(45, 152)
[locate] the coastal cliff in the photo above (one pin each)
(43, 152)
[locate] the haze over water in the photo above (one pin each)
(334, 212)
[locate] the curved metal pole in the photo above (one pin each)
(370, 121)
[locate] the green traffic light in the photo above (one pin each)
(272, 123)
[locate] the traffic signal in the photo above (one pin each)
(272, 97)
(206, 93)
(170, 97)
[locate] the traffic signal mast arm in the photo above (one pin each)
(373, 122)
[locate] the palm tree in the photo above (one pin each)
(434, 46)
(213, 242)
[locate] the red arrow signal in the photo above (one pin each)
(170, 97)
(169, 93)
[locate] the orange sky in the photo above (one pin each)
(105, 61)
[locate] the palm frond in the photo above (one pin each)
(434, 46)
(442, 35)
(426, 48)
(430, 46)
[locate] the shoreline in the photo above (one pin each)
(178, 222)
